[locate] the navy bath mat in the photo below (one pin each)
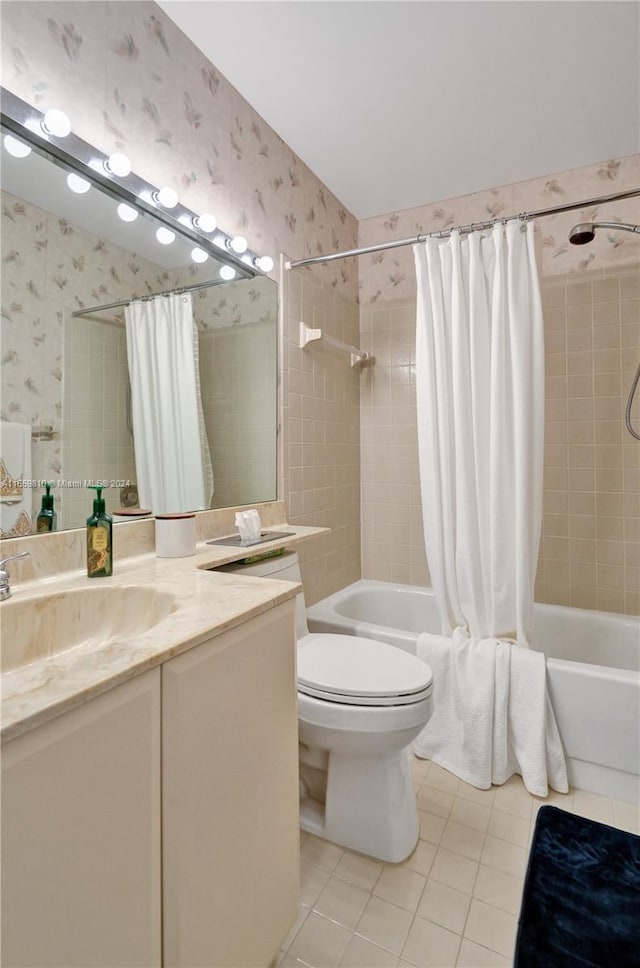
(581, 900)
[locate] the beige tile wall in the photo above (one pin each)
(320, 447)
(590, 549)
(590, 553)
(392, 537)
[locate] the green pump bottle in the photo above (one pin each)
(99, 539)
(47, 519)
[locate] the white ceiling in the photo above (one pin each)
(394, 104)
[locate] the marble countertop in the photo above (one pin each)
(206, 604)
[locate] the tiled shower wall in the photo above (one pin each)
(590, 553)
(321, 432)
(590, 549)
(392, 536)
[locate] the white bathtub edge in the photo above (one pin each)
(593, 778)
(614, 781)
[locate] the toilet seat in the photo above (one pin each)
(355, 671)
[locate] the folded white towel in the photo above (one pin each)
(15, 465)
(492, 716)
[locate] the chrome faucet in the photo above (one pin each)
(5, 588)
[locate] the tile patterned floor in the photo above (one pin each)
(453, 903)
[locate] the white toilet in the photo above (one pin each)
(360, 704)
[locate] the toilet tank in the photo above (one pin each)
(285, 567)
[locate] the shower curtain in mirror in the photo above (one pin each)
(173, 463)
(480, 403)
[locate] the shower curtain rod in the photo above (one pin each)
(152, 295)
(472, 227)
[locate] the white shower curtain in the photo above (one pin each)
(173, 464)
(480, 402)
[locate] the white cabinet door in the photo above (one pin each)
(81, 835)
(230, 796)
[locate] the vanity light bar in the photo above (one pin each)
(114, 176)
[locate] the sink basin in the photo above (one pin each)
(43, 626)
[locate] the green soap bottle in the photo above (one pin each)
(47, 518)
(99, 539)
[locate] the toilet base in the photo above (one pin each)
(370, 806)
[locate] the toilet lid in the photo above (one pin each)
(359, 671)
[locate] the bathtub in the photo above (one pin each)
(593, 663)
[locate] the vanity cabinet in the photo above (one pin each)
(81, 835)
(230, 796)
(157, 823)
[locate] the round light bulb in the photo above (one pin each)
(118, 164)
(168, 197)
(77, 184)
(56, 122)
(264, 263)
(165, 236)
(15, 147)
(126, 213)
(205, 222)
(239, 244)
(199, 255)
(227, 273)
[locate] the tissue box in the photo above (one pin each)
(249, 526)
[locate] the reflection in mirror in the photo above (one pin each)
(66, 402)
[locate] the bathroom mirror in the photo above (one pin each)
(69, 263)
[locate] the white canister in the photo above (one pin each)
(175, 535)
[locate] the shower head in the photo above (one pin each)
(584, 232)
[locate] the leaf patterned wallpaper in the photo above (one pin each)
(131, 81)
(390, 275)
